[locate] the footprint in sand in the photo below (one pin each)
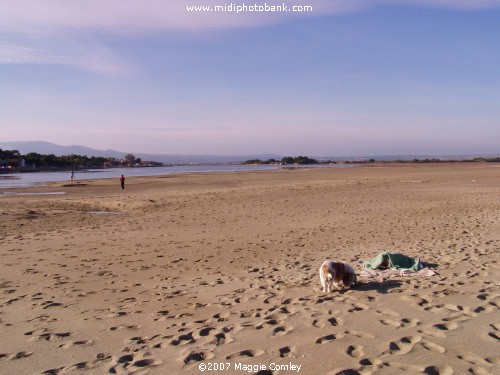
(160, 315)
(320, 323)
(329, 338)
(493, 360)
(132, 363)
(183, 339)
(357, 307)
(283, 311)
(487, 296)
(141, 340)
(50, 304)
(485, 309)
(399, 348)
(450, 307)
(77, 366)
(389, 312)
(36, 332)
(250, 353)
(54, 371)
(205, 331)
(403, 323)
(81, 343)
(287, 351)
(281, 330)
(222, 338)
(495, 326)
(355, 351)
(479, 371)
(17, 355)
(196, 356)
(391, 323)
(363, 335)
(321, 300)
(432, 333)
(124, 326)
(250, 314)
(474, 359)
(456, 318)
(370, 364)
(409, 322)
(493, 336)
(44, 318)
(429, 345)
(446, 326)
(405, 345)
(222, 316)
(272, 320)
(51, 336)
(435, 370)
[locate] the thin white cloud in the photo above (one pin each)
(93, 58)
(67, 32)
(132, 16)
(123, 16)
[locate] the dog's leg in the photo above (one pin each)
(323, 281)
(328, 286)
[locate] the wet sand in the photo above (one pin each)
(185, 270)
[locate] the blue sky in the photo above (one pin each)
(348, 78)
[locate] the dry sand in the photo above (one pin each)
(222, 268)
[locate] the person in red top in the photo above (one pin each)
(122, 181)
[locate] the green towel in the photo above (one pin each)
(393, 260)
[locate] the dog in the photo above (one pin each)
(336, 273)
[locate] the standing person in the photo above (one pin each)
(122, 181)
(72, 175)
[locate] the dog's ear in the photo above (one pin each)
(325, 269)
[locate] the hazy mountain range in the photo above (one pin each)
(41, 147)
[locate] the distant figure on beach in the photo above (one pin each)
(122, 181)
(72, 175)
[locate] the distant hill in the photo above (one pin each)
(42, 147)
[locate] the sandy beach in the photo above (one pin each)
(219, 271)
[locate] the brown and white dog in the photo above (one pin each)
(337, 274)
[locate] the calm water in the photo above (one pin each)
(37, 178)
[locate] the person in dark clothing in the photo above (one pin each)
(122, 181)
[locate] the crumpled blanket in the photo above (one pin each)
(387, 264)
(394, 261)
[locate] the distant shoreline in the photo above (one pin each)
(76, 170)
(41, 178)
(328, 162)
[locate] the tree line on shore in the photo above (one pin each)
(285, 160)
(13, 159)
(304, 160)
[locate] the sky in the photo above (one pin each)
(339, 78)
